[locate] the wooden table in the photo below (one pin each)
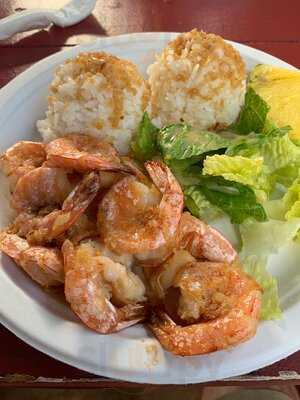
(269, 25)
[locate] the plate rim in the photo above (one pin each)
(20, 80)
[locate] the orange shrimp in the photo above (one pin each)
(83, 153)
(21, 158)
(141, 220)
(203, 241)
(93, 282)
(44, 265)
(45, 228)
(222, 301)
(41, 187)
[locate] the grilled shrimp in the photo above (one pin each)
(222, 302)
(41, 229)
(162, 277)
(41, 187)
(203, 241)
(44, 265)
(83, 153)
(21, 158)
(139, 219)
(103, 293)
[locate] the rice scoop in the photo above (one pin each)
(199, 79)
(96, 94)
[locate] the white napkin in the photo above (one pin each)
(72, 13)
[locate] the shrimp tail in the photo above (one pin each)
(130, 314)
(238, 326)
(203, 241)
(12, 245)
(83, 194)
(57, 222)
(42, 264)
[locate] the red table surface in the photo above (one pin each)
(269, 25)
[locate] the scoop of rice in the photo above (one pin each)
(96, 94)
(198, 78)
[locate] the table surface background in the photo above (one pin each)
(270, 25)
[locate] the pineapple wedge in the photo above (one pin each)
(280, 88)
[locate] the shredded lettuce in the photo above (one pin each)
(181, 142)
(144, 146)
(253, 115)
(235, 199)
(240, 169)
(257, 268)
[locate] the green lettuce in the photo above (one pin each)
(253, 115)
(277, 151)
(286, 175)
(181, 142)
(144, 146)
(257, 268)
(233, 198)
(291, 201)
(199, 206)
(265, 238)
(287, 208)
(275, 209)
(239, 169)
(271, 129)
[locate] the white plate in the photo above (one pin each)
(46, 323)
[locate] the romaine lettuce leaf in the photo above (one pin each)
(265, 238)
(291, 201)
(286, 175)
(181, 142)
(186, 175)
(277, 151)
(271, 129)
(199, 206)
(257, 268)
(235, 199)
(275, 209)
(240, 169)
(253, 114)
(144, 145)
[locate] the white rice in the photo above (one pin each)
(84, 95)
(199, 79)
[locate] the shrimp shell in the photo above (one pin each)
(21, 158)
(44, 265)
(45, 229)
(39, 188)
(89, 293)
(133, 220)
(231, 328)
(203, 241)
(83, 153)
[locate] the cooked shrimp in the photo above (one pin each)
(41, 187)
(85, 227)
(135, 218)
(162, 278)
(83, 153)
(104, 294)
(42, 229)
(223, 300)
(44, 265)
(21, 158)
(203, 241)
